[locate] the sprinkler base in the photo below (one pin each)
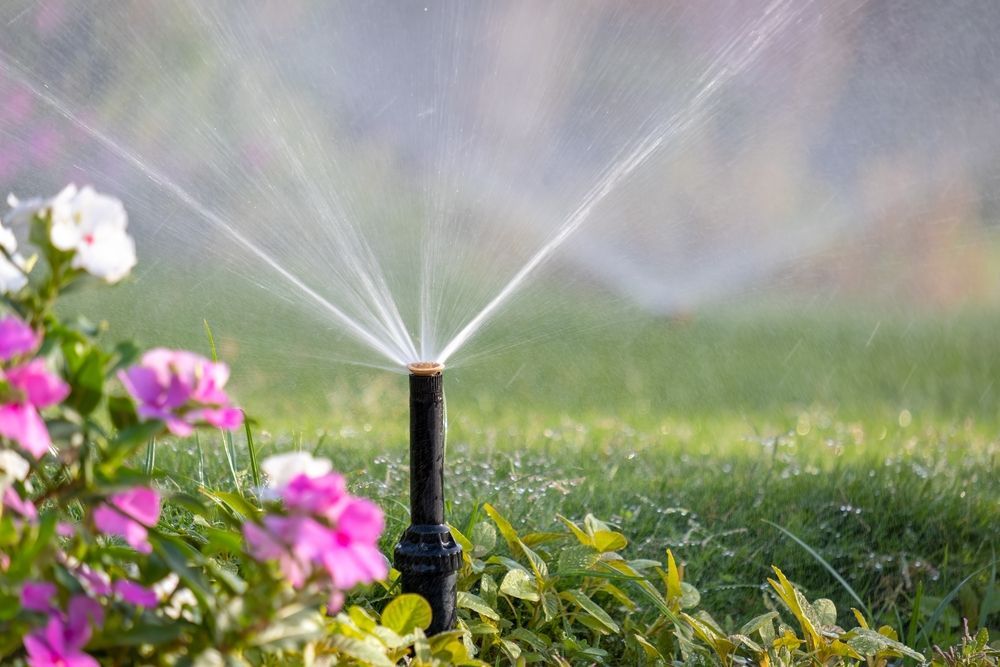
(429, 560)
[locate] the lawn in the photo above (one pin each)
(872, 439)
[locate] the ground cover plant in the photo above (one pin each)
(145, 521)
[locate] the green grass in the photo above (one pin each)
(880, 452)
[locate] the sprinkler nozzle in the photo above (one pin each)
(425, 368)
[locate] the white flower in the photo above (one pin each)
(93, 225)
(86, 223)
(182, 600)
(13, 468)
(12, 265)
(283, 468)
(23, 210)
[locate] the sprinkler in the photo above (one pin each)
(427, 555)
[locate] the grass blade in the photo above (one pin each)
(829, 568)
(251, 452)
(946, 600)
(230, 449)
(150, 457)
(211, 341)
(227, 437)
(911, 630)
(201, 460)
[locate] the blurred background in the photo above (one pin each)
(805, 181)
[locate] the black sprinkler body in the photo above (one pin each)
(427, 555)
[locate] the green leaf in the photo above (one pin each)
(538, 565)
(519, 584)
(86, 381)
(406, 613)
(826, 611)
(690, 597)
(512, 650)
(239, 506)
(550, 605)
(222, 541)
(488, 590)
(176, 555)
(133, 436)
(586, 604)
(869, 643)
(651, 652)
(535, 641)
(756, 623)
(484, 537)
(125, 353)
(142, 634)
(121, 409)
(477, 604)
(577, 557)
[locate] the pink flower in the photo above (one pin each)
(38, 595)
(60, 643)
(39, 387)
(36, 388)
(25, 508)
(129, 514)
(22, 424)
(16, 338)
(327, 531)
(361, 521)
(182, 389)
(354, 557)
(294, 542)
(95, 582)
(325, 495)
(136, 594)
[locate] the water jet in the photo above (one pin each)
(427, 555)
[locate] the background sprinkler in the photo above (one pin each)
(427, 555)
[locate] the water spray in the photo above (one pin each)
(427, 555)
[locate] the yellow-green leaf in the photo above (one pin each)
(506, 530)
(591, 607)
(580, 535)
(609, 540)
(475, 603)
(406, 613)
(518, 584)
(674, 590)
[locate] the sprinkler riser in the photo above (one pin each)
(427, 555)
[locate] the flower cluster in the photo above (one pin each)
(182, 389)
(70, 495)
(88, 226)
(60, 642)
(324, 533)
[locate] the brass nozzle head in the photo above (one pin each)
(425, 368)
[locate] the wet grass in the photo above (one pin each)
(873, 441)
